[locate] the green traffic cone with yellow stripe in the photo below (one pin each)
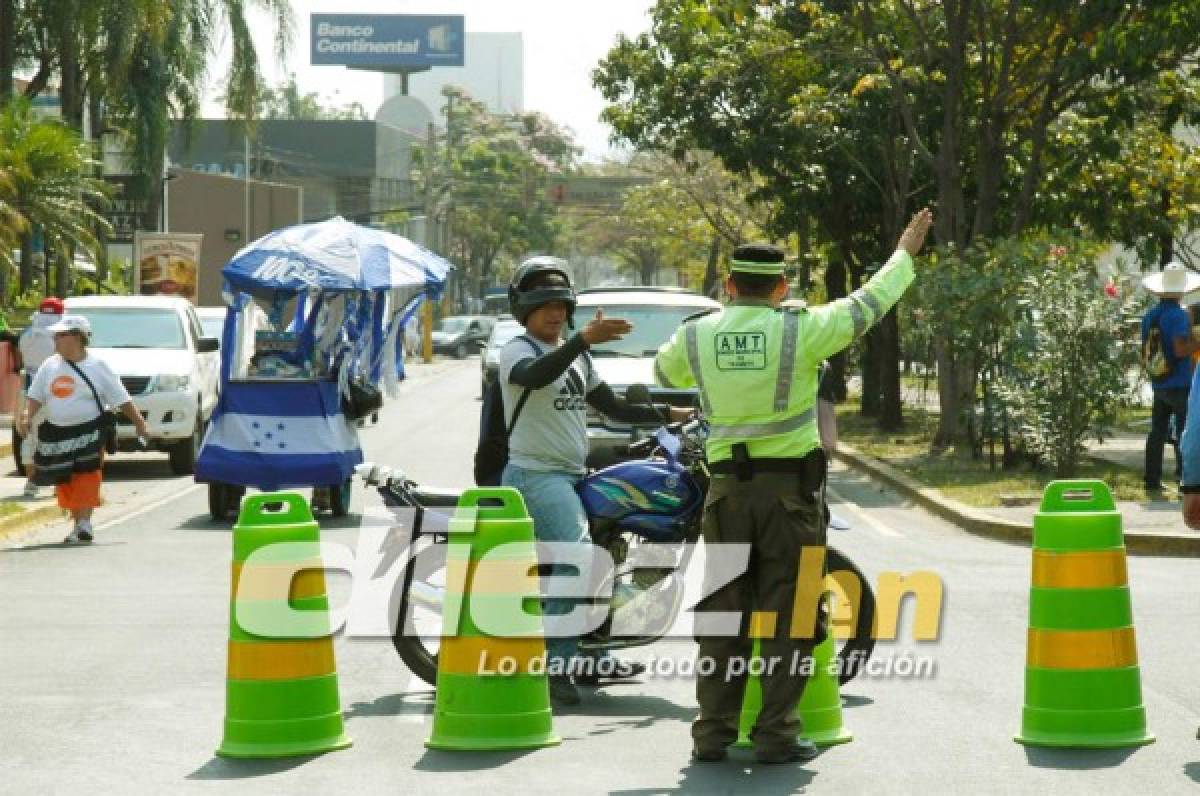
(820, 707)
(492, 691)
(1082, 679)
(281, 695)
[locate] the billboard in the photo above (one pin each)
(166, 264)
(387, 41)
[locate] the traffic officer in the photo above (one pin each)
(756, 366)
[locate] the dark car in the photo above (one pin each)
(461, 335)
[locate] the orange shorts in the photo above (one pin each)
(81, 492)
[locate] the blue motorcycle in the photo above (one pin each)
(645, 513)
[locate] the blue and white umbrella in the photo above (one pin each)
(333, 255)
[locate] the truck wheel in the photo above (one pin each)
(17, 439)
(183, 454)
(460, 351)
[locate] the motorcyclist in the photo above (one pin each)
(548, 445)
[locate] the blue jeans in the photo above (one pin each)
(1168, 403)
(558, 516)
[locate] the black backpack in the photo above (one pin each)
(491, 454)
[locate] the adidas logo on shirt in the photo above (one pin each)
(570, 395)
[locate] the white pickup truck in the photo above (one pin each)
(171, 370)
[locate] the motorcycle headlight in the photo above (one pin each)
(171, 382)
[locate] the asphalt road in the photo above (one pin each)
(112, 665)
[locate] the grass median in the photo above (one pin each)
(956, 473)
(9, 509)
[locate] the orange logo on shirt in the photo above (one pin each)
(63, 387)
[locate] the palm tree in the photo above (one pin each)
(139, 64)
(46, 182)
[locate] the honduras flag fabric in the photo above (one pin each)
(278, 436)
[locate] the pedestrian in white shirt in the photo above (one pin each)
(76, 389)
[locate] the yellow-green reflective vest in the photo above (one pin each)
(757, 366)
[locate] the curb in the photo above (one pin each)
(29, 519)
(981, 523)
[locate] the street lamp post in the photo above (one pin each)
(164, 221)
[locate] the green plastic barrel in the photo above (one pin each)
(820, 708)
(492, 691)
(1082, 680)
(281, 696)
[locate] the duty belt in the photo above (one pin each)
(811, 465)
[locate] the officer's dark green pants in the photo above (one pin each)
(777, 515)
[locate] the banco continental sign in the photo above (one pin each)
(387, 41)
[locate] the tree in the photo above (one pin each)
(852, 110)
(138, 64)
(778, 94)
(45, 182)
(286, 102)
(487, 180)
(657, 229)
(1070, 364)
(1124, 168)
(1002, 74)
(720, 197)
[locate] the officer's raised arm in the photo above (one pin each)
(831, 327)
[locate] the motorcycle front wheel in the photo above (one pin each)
(412, 633)
(855, 649)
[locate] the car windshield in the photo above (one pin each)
(451, 325)
(133, 328)
(652, 326)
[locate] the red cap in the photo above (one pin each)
(52, 306)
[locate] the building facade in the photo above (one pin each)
(357, 169)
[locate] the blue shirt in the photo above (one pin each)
(1174, 322)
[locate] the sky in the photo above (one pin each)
(564, 39)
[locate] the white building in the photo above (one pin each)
(493, 72)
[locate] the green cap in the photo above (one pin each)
(758, 258)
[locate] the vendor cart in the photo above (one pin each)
(311, 339)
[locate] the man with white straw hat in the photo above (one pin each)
(1172, 325)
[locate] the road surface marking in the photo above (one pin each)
(871, 522)
(147, 509)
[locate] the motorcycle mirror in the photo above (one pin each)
(638, 394)
(371, 473)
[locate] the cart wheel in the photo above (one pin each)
(339, 498)
(225, 501)
(216, 501)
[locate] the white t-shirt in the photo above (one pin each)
(67, 398)
(551, 433)
(36, 344)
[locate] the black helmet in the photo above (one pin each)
(524, 299)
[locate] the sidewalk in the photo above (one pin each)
(1152, 527)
